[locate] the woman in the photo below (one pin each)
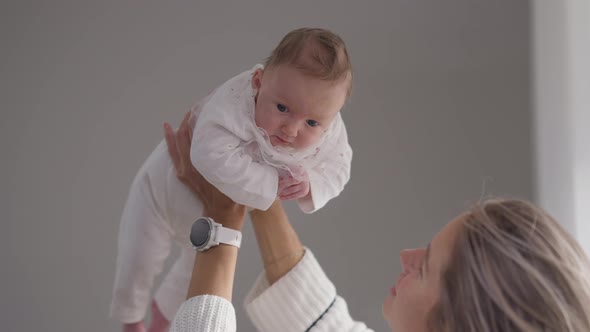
(503, 265)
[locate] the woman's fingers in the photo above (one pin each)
(179, 150)
(185, 170)
(170, 137)
(183, 144)
(179, 146)
(190, 173)
(184, 135)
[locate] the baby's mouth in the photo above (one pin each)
(282, 140)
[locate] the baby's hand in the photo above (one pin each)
(291, 188)
(298, 173)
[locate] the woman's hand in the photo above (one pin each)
(214, 269)
(215, 204)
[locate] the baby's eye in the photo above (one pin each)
(312, 123)
(282, 108)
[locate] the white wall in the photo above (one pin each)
(579, 38)
(562, 111)
(440, 106)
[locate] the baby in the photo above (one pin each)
(272, 131)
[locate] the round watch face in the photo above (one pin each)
(200, 233)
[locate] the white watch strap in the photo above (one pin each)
(229, 236)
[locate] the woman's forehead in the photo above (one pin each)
(441, 246)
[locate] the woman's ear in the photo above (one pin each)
(257, 79)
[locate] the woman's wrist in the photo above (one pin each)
(279, 245)
(213, 272)
(230, 217)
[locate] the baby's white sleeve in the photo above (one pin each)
(220, 157)
(328, 177)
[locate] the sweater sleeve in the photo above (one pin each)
(328, 178)
(302, 300)
(223, 142)
(205, 313)
(222, 159)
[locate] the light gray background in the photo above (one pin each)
(439, 115)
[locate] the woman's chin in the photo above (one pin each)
(386, 308)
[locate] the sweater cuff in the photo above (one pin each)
(294, 302)
(205, 313)
(312, 202)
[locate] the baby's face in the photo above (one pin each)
(295, 109)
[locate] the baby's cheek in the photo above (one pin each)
(264, 118)
(307, 140)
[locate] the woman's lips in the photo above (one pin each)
(393, 289)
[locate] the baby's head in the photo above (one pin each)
(304, 84)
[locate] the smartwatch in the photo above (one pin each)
(206, 233)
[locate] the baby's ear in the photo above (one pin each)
(257, 79)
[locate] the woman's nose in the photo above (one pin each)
(412, 259)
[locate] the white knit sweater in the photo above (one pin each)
(302, 300)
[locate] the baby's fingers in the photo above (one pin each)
(292, 196)
(286, 182)
(294, 189)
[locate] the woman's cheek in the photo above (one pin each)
(387, 310)
(407, 281)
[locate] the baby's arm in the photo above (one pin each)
(294, 185)
(222, 160)
(328, 178)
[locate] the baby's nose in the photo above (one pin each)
(290, 129)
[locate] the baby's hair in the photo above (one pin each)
(318, 53)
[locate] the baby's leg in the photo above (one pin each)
(181, 208)
(134, 327)
(172, 292)
(158, 322)
(144, 243)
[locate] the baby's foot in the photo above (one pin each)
(159, 323)
(134, 327)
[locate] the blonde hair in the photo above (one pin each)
(318, 53)
(514, 268)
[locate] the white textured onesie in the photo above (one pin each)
(233, 154)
